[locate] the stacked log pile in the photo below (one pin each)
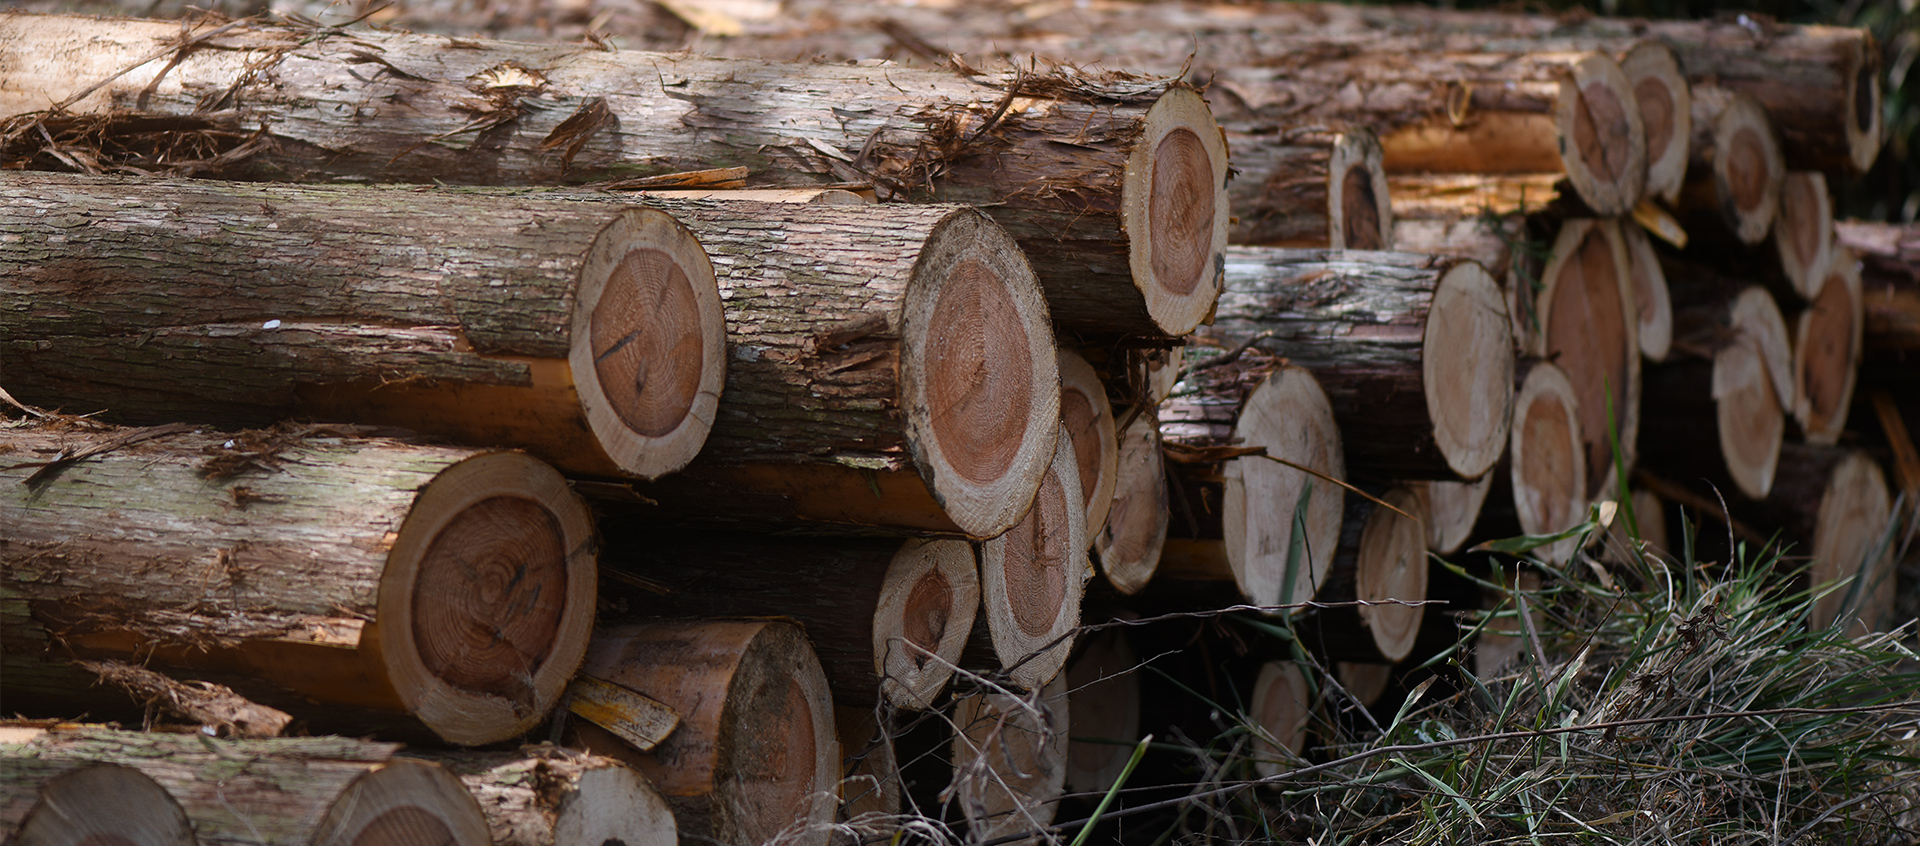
(642, 436)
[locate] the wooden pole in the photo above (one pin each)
(1308, 186)
(1827, 342)
(1032, 579)
(66, 803)
(432, 590)
(1586, 310)
(1010, 759)
(1129, 545)
(550, 796)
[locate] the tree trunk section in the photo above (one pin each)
(1452, 508)
(1382, 557)
(1282, 710)
(1586, 312)
(870, 779)
(1308, 186)
(1665, 101)
(1545, 481)
(296, 566)
(1889, 282)
(67, 803)
(1010, 760)
(1731, 388)
(1032, 578)
(1835, 507)
(1803, 231)
(1103, 694)
(1827, 342)
(1129, 544)
(1738, 170)
(548, 796)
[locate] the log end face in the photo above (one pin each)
(1290, 416)
(1452, 509)
(1281, 709)
(103, 804)
(1129, 543)
(1549, 468)
(778, 753)
(1174, 210)
(1103, 694)
(648, 355)
(614, 803)
(1851, 523)
(1863, 96)
(1088, 418)
(1747, 168)
(1803, 232)
(926, 609)
(1392, 564)
(1010, 759)
(1827, 355)
(1361, 216)
(1467, 365)
(403, 803)
(1652, 300)
(1588, 334)
(1603, 143)
(1666, 111)
(1750, 421)
(1033, 575)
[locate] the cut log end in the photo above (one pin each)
(1088, 418)
(1366, 683)
(1549, 468)
(1749, 416)
(1466, 363)
(1010, 760)
(1033, 575)
(488, 597)
(1104, 698)
(1360, 214)
(1452, 509)
(649, 343)
(1652, 301)
(1282, 708)
(102, 804)
(1854, 512)
(1174, 208)
(1666, 111)
(926, 609)
(980, 380)
(1603, 143)
(1590, 335)
(1136, 528)
(1290, 416)
(614, 803)
(1803, 231)
(1748, 168)
(402, 803)
(870, 783)
(1392, 565)
(1826, 353)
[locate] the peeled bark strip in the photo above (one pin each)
(1117, 179)
(1452, 509)
(1103, 692)
(1413, 353)
(892, 625)
(1088, 418)
(1834, 505)
(1666, 110)
(1732, 388)
(1803, 231)
(1129, 544)
(1032, 578)
(1827, 342)
(1308, 186)
(548, 796)
(1588, 329)
(592, 336)
(1889, 282)
(74, 803)
(1282, 710)
(400, 585)
(1383, 557)
(1736, 147)
(1010, 759)
(1548, 471)
(1234, 516)
(755, 755)
(307, 791)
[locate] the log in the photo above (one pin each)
(1116, 178)
(67, 803)
(1088, 418)
(1472, 216)
(1308, 186)
(286, 791)
(1103, 695)
(1828, 339)
(551, 796)
(1234, 516)
(1666, 110)
(1834, 506)
(1032, 578)
(437, 591)
(1281, 710)
(891, 627)
(1711, 309)
(1128, 546)
(1737, 164)
(1452, 509)
(1502, 646)
(1366, 683)
(1584, 310)
(591, 336)
(1731, 388)
(1413, 353)
(755, 754)
(1547, 469)
(870, 781)
(1382, 557)
(1889, 282)
(1010, 759)
(1803, 231)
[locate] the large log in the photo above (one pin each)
(1587, 328)
(1032, 579)
(891, 627)
(1382, 558)
(1304, 185)
(1129, 545)
(1412, 352)
(550, 796)
(286, 791)
(591, 336)
(405, 587)
(755, 754)
(68, 803)
(1010, 759)
(1118, 180)
(1889, 282)
(1827, 342)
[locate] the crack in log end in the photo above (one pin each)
(928, 608)
(776, 761)
(1602, 133)
(1181, 212)
(1360, 210)
(1036, 560)
(489, 596)
(1656, 113)
(979, 373)
(406, 825)
(1746, 172)
(647, 342)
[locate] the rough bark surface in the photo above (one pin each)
(60, 802)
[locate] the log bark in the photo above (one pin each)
(1382, 557)
(1117, 179)
(1308, 186)
(1282, 709)
(1452, 509)
(1803, 231)
(1128, 546)
(286, 791)
(438, 591)
(1827, 342)
(1889, 282)
(591, 336)
(549, 796)
(891, 627)
(66, 803)
(1032, 579)
(1413, 353)
(1010, 759)
(1738, 169)
(1103, 695)
(1088, 418)
(755, 754)
(1587, 327)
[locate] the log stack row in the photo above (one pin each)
(709, 415)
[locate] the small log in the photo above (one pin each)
(1889, 282)
(1412, 353)
(755, 755)
(1737, 165)
(550, 796)
(1282, 709)
(1827, 342)
(1547, 471)
(1834, 505)
(1585, 310)
(1730, 387)
(68, 803)
(1452, 509)
(1366, 683)
(1032, 579)
(1502, 646)
(1308, 186)
(430, 590)
(1234, 515)
(1128, 545)
(1711, 309)
(286, 791)
(892, 627)
(1117, 180)
(1010, 759)
(1803, 231)
(1652, 299)
(589, 335)
(1088, 418)
(870, 781)
(1666, 110)
(1103, 694)
(1382, 557)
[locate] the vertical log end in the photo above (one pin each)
(1666, 111)
(1290, 415)
(1466, 363)
(97, 804)
(920, 625)
(1587, 331)
(1032, 577)
(1392, 564)
(1826, 352)
(1549, 467)
(1359, 211)
(1748, 168)
(1174, 210)
(1282, 707)
(1088, 418)
(404, 802)
(1602, 138)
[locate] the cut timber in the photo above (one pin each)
(1587, 330)
(1803, 231)
(1834, 504)
(307, 791)
(1649, 514)
(870, 782)
(1666, 110)
(1103, 692)
(401, 585)
(1712, 308)
(1653, 303)
(823, 196)
(1480, 216)
(1088, 418)
(1032, 578)
(1889, 282)
(1382, 562)
(1730, 386)
(892, 625)
(1282, 709)
(1308, 187)
(1118, 180)
(85, 803)
(1366, 683)
(1827, 341)
(1452, 509)
(591, 336)
(1236, 515)
(1010, 759)
(1548, 469)
(549, 796)
(1413, 353)
(1502, 645)
(1129, 544)
(755, 755)
(1735, 145)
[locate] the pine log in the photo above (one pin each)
(1502, 646)
(591, 336)
(1803, 231)
(1738, 169)
(402, 586)
(1827, 342)
(286, 791)
(1308, 186)
(1711, 309)
(1129, 545)
(755, 755)
(870, 780)
(1010, 759)
(1731, 388)
(1282, 709)
(70, 803)
(1088, 418)
(1834, 506)
(1889, 282)
(891, 627)
(1652, 297)
(1103, 695)
(1475, 216)
(1117, 179)
(1585, 308)
(1413, 352)
(1452, 509)
(1032, 578)
(1546, 479)
(1665, 101)
(550, 796)
(1382, 558)
(1366, 683)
